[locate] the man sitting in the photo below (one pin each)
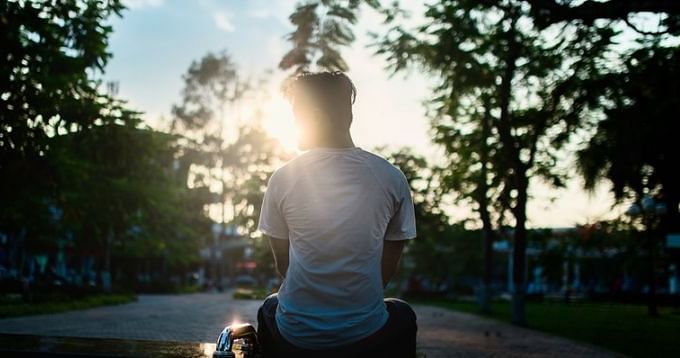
(337, 218)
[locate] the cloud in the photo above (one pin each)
(273, 10)
(138, 4)
(223, 21)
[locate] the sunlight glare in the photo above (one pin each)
(279, 123)
(207, 349)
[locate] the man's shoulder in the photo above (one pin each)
(284, 172)
(289, 170)
(382, 168)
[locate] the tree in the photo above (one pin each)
(472, 172)
(45, 89)
(75, 164)
(633, 147)
(321, 27)
(242, 166)
(251, 159)
(211, 87)
(492, 58)
(548, 12)
(50, 53)
(122, 196)
(428, 252)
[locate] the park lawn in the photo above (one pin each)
(14, 308)
(621, 328)
(256, 293)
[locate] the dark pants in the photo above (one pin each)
(397, 338)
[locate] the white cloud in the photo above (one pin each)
(278, 10)
(223, 21)
(137, 4)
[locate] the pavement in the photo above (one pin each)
(200, 318)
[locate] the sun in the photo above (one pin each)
(279, 123)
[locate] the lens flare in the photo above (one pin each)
(279, 123)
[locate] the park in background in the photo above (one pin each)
(95, 200)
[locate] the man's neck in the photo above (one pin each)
(339, 142)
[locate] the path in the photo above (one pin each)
(200, 318)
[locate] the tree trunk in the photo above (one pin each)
(486, 294)
(519, 249)
(518, 176)
(487, 228)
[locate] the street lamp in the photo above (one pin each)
(648, 209)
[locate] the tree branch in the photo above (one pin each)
(549, 12)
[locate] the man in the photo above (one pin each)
(337, 218)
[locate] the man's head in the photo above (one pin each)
(322, 105)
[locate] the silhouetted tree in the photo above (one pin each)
(49, 53)
(76, 165)
(526, 81)
(475, 172)
(634, 145)
(321, 28)
(548, 12)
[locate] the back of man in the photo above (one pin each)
(336, 206)
(337, 218)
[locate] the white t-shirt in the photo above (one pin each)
(336, 206)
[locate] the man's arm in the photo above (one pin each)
(280, 251)
(390, 259)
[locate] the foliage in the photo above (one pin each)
(442, 253)
(547, 12)
(76, 166)
(47, 50)
(251, 160)
(424, 182)
(241, 167)
(45, 90)
(321, 27)
(496, 67)
(633, 147)
(124, 194)
(212, 86)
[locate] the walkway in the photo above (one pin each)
(200, 318)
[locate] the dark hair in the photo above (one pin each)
(333, 92)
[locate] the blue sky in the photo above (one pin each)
(156, 40)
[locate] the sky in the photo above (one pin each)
(155, 41)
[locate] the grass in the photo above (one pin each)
(14, 306)
(188, 289)
(622, 328)
(256, 293)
